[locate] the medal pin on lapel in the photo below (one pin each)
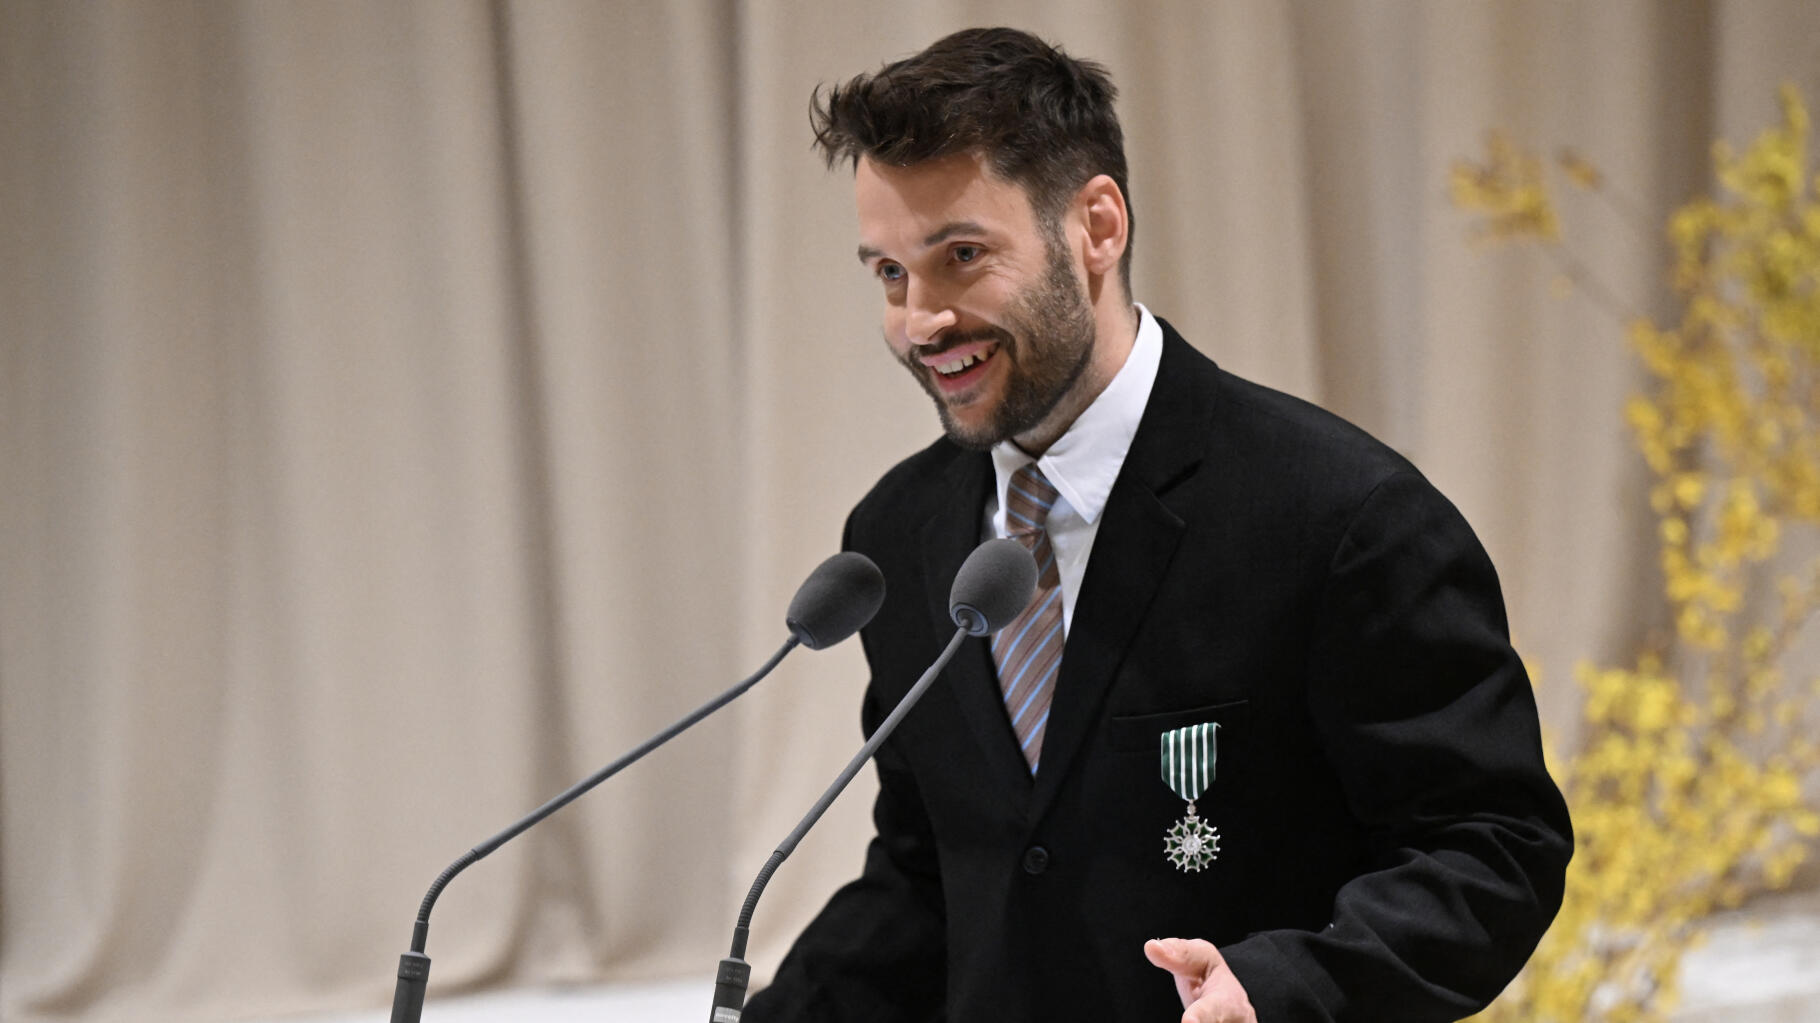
(1189, 756)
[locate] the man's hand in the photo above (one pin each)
(1210, 993)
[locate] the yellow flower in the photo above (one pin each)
(1508, 189)
(1690, 490)
(1687, 790)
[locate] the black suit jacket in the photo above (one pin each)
(1392, 847)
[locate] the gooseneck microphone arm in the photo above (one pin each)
(993, 585)
(573, 792)
(883, 732)
(414, 966)
(838, 598)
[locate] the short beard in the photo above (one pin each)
(1048, 336)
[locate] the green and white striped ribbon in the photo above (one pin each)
(1189, 755)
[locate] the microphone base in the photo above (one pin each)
(730, 983)
(413, 978)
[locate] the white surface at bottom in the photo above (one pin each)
(676, 1001)
(1751, 970)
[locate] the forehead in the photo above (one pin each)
(904, 206)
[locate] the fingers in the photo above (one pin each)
(1183, 956)
(1209, 991)
(1201, 1012)
(1182, 960)
(1224, 1002)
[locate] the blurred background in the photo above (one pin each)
(407, 406)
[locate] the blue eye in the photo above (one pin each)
(966, 253)
(889, 272)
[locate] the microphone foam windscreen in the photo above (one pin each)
(994, 584)
(840, 596)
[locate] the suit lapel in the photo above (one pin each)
(1136, 542)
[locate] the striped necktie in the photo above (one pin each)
(1028, 652)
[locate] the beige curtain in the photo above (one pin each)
(408, 406)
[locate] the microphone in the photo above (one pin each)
(993, 585)
(840, 596)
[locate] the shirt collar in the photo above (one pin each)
(1085, 461)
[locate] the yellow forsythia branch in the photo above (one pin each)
(1690, 790)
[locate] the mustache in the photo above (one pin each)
(951, 341)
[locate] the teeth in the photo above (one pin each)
(951, 368)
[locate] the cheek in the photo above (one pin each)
(992, 294)
(893, 327)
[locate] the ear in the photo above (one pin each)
(1101, 208)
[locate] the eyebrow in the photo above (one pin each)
(942, 234)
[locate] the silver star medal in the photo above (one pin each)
(1189, 755)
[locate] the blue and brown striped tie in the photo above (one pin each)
(1028, 652)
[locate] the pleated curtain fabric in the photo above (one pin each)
(365, 356)
(1028, 652)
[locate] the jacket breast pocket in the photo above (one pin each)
(1143, 733)
(1137, 792)
(1137, 739)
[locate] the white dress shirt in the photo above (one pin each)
(1084, 462)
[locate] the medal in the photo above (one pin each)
(1188, 760)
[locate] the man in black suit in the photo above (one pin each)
(1264, 700)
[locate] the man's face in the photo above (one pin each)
(983, 305)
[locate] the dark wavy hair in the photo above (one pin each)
(1038, 117)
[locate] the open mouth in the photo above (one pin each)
(958, 369)
(955, 367)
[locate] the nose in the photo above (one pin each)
(926, 313)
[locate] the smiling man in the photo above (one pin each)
(1259, 748)
(992, 320)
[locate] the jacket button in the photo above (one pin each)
(1036, 860)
